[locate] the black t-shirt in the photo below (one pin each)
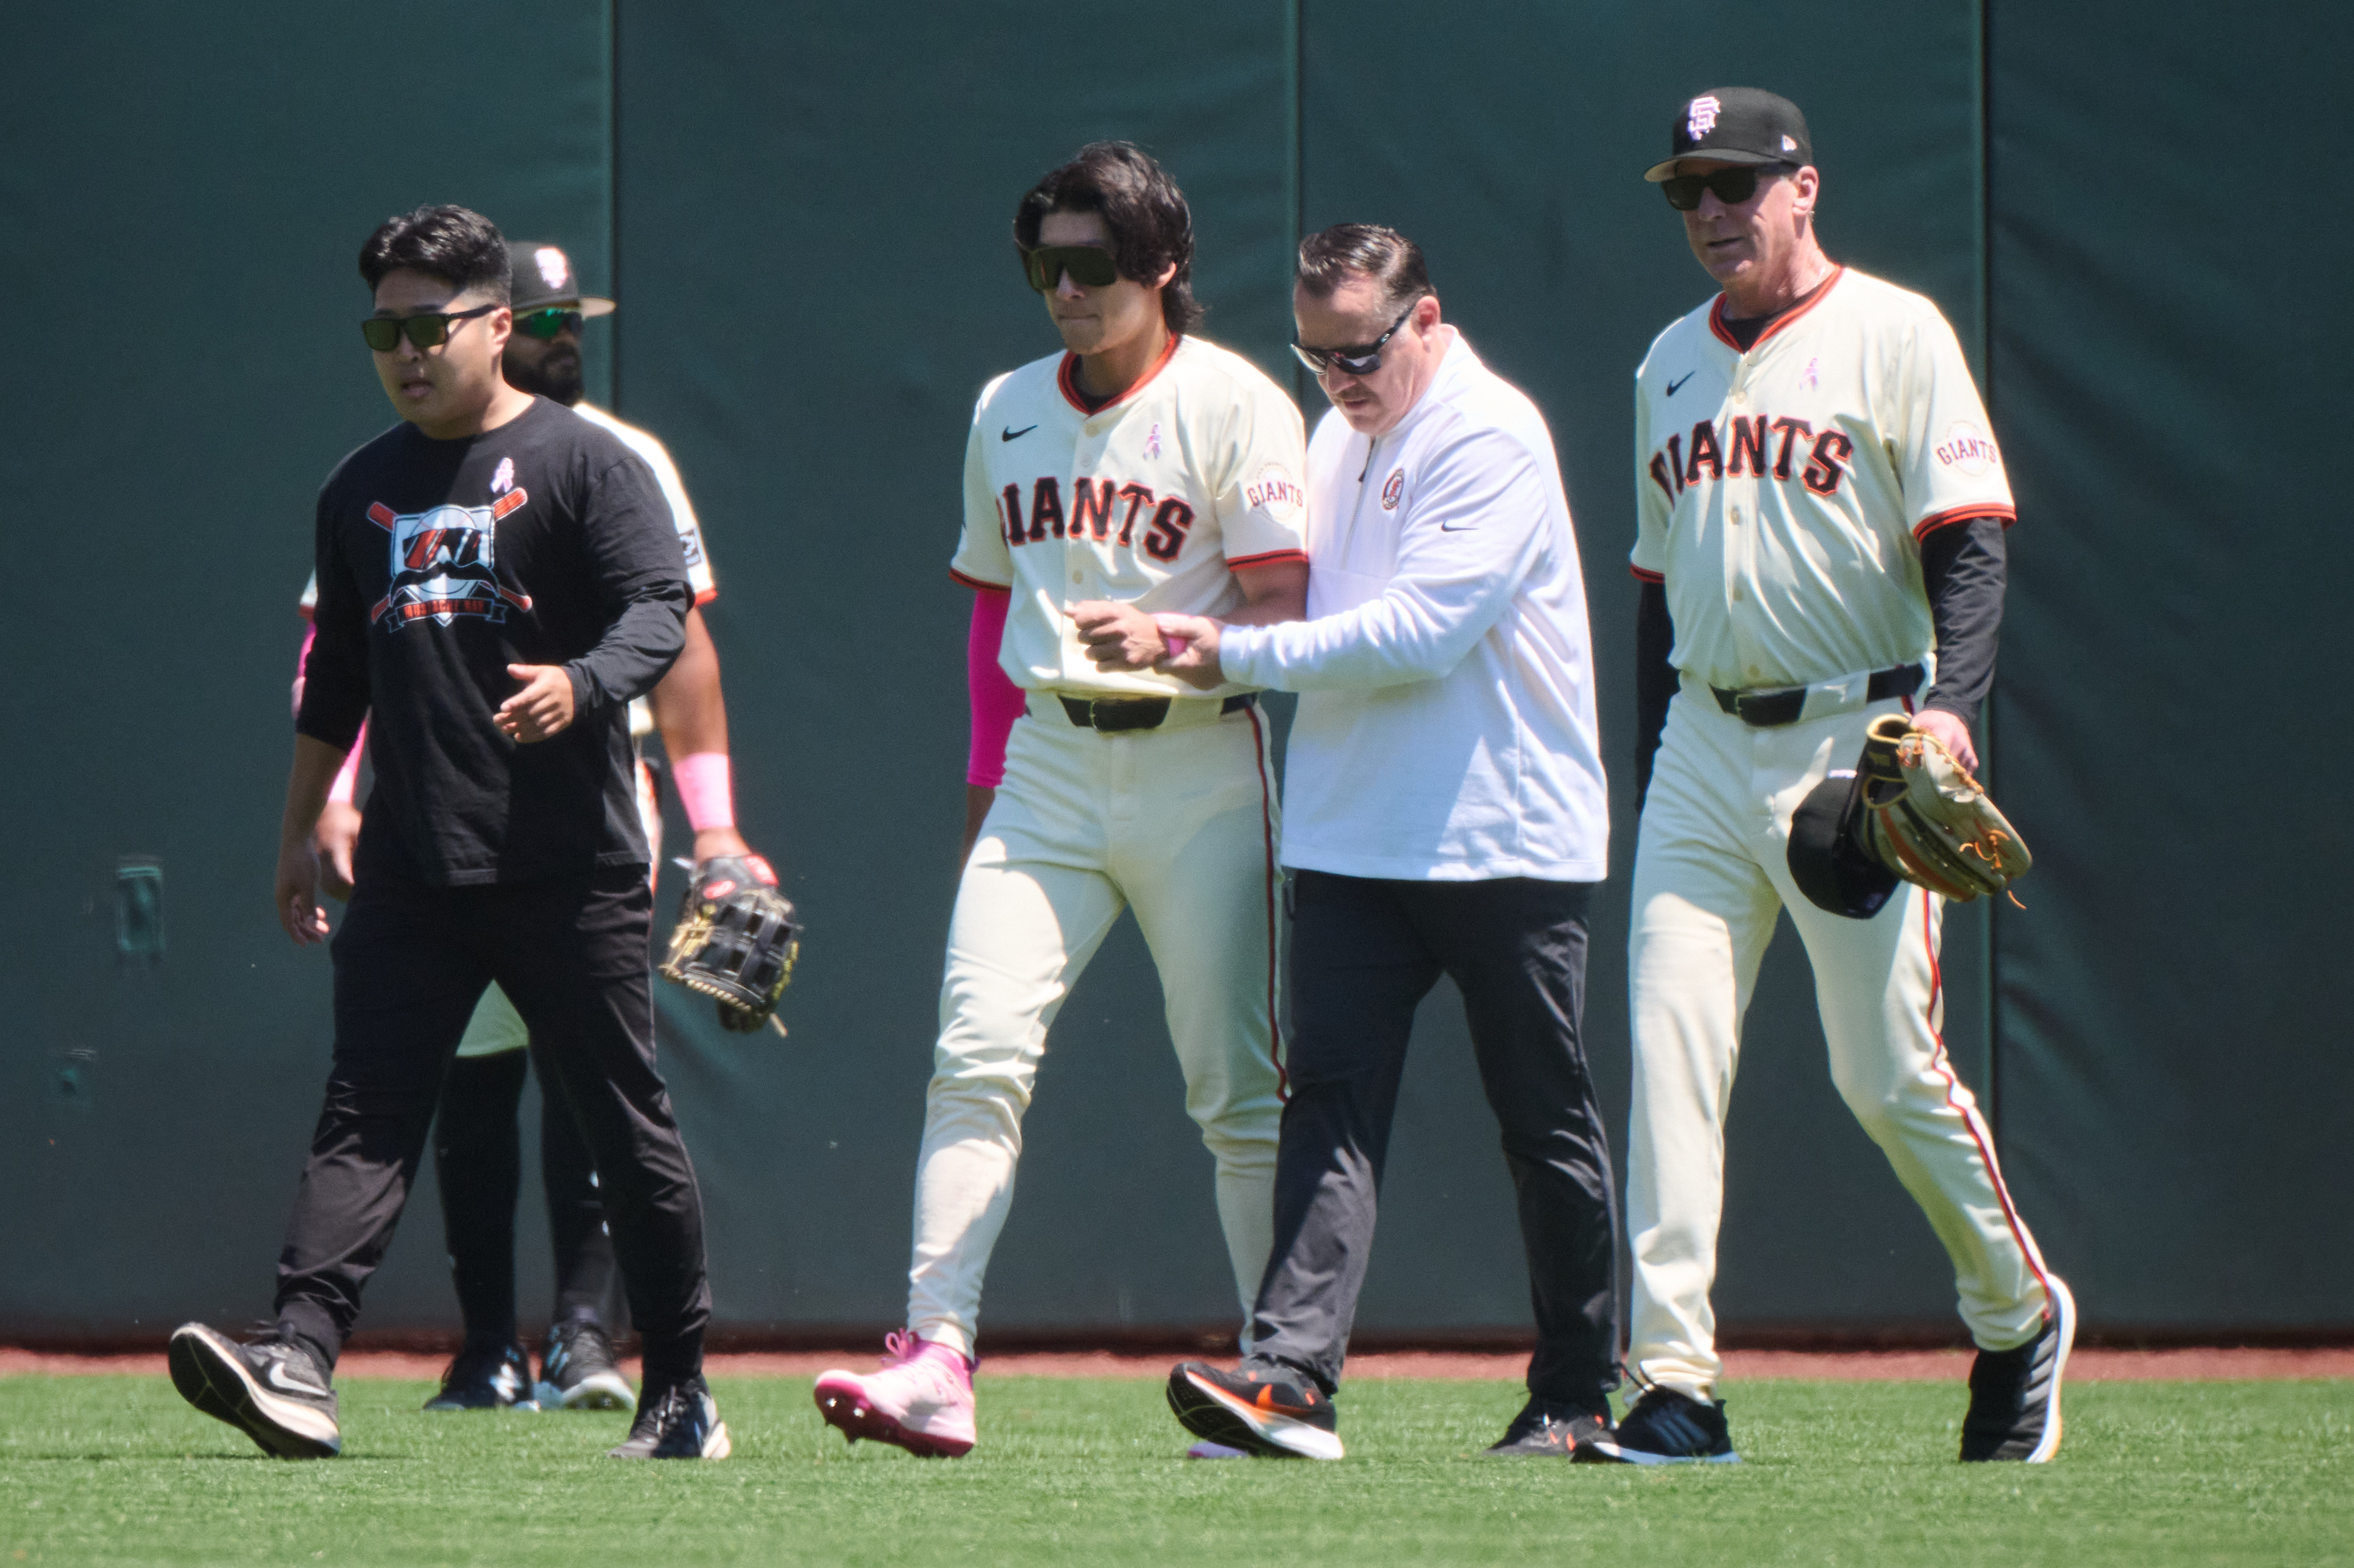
(543, 541)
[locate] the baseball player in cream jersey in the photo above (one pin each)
(1821, 510)
(1142, 470)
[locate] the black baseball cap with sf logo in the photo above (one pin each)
(1736, 125)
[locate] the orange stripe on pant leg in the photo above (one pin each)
(1942, 1063)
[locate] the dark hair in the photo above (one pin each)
(461, 248)
(1150, 224)
(1332, 257)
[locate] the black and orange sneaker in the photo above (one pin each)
(1547, 1429)
(1259, 1407)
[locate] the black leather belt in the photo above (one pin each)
(1112, 714)
(1785, 703)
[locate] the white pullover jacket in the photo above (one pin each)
(1446, 728)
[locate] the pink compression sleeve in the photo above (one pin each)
(996, 700)
(347, 777)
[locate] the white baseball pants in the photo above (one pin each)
(1178, 824)
(1711, 873)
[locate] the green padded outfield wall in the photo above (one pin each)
(183, 195)
(804, 212)
(2177, 1095)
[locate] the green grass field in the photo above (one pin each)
(117, 1469)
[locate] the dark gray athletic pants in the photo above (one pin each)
(410, 963)
(1364, 953)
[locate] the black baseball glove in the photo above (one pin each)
(735, 940)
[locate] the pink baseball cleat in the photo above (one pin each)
(921, 1400)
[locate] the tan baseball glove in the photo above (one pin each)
(1926, 820)
(735, 941)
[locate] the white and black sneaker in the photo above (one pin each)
(272, 1390)
(578, 1371)
(1666, 1428)
(2015, 1395)
(676, 1421)
(485, 1374)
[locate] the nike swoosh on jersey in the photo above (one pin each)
(1010, 433)
(1680, 381)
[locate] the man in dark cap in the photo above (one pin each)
(1821, 508)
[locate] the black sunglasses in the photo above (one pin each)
(1361, 360)
(430, 329)
(1090, 266)
(550, 324)
(1732, 186)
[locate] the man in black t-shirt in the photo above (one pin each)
(497, 579)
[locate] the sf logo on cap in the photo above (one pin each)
(1701, 118)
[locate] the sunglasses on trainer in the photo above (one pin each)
(1361, 360)
(1090, 266)
(549, 325)
(430, 329)
(1732, 186)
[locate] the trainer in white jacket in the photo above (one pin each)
(1445, 812)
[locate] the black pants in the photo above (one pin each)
(478, 1156)
(410, 963)
(1364, 953)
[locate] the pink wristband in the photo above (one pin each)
(705, 788)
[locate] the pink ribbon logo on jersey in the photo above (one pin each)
(445, 563)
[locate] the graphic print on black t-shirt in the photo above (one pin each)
(545, 541)
(445, 562)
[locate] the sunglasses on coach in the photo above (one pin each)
(1732, 186)
(1090, 267)
(430, 329)
(1361, 360)
(549, 324)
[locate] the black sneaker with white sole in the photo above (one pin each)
(1546, 1428)
(1666, 1428)
(677, 1421)
(578, 1371)
(2015, 1395)
(485, 1374)
(272, 1390)
(1257, 1408)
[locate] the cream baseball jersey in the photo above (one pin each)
(1153, 498)
(1782, 493)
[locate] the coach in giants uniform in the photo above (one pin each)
(497, 579)
(1445, 813)
(1820, 536)
(1142, 470)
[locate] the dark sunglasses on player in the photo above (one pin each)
(549, 323)
(430, 329)
(1361, 360)
(1732, 186)
(1090, 266)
